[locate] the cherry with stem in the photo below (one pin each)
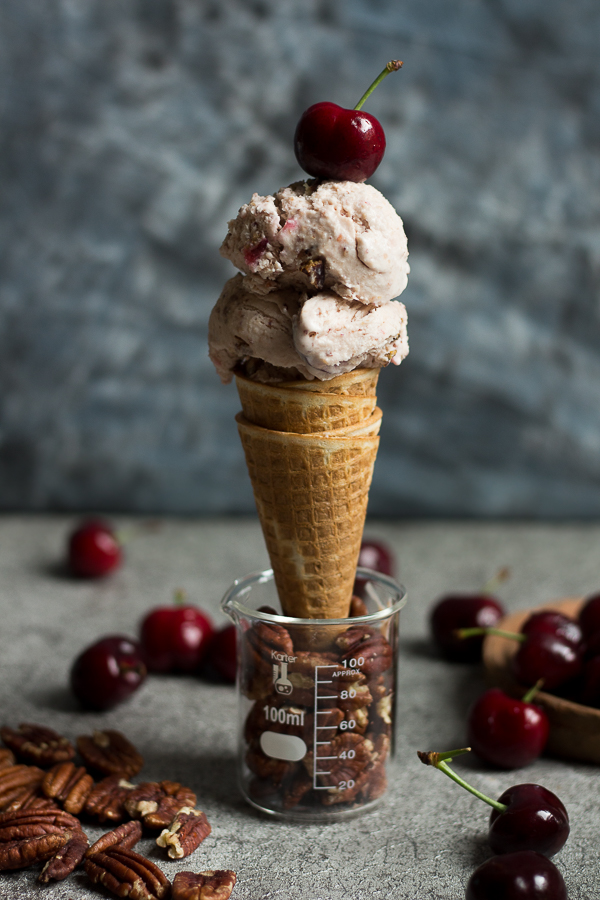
(524, 817)
(541, 655)
(341, 144)
(464, 610)
(507, 732)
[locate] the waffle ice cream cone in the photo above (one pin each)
(320, 263)
(311, 491)
(305, 408)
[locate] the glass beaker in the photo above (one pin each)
(316, 700)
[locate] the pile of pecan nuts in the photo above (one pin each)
(355, 708)
(43, 792)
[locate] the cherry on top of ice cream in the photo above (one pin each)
(341, 144)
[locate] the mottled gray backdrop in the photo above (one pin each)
(131, 130)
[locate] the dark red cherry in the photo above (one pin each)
(548, 621)
(535, 819)
(589, 692)
(589, 616)
(221, 657)
(108, 672)
(525, 817)
(506, 732)
(175, 638)
(591, 645)
(523, 875)
(93, 549)
(543, 656)
(457, 611)
(341, 144)
(377, 556)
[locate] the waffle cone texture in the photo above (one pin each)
(310, 455)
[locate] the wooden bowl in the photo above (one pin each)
(574, 728)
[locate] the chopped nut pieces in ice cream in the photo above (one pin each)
(321, 263)
(315, 337)
(335, 234)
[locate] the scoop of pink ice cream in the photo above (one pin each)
(336, 235)
(314, 337)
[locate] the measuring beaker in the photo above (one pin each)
(316, 700)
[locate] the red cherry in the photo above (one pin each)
(458, 611)
(535, 819)
(377, 556)
(591, 645)
(525, 817)
(222, 653)
(546, 657)
(107, 672)
(338, 143)
(548, 621)
(524, 875)
(589, 616)
(93, 549)
(589, 693)
(175, 638)
(506, 732)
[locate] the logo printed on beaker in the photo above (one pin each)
(280, 679)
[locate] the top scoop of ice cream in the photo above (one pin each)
(336, 235)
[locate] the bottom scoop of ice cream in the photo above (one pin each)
(316, 337)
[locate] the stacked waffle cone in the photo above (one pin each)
(310, 450)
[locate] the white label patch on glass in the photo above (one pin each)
(282, 746)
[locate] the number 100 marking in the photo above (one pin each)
(353, 663)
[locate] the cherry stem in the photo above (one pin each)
(478, 632)
(438, 760)
(392, 66)
(496, 580)
(179, 597)
(528, 697)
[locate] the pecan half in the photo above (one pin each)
(127, 874)
(16, 826)
(7, 758)
(17, 784)
(110, 753)
(37, 802)
(296, 788)
(265, 639)
(37, 744)
(266, 767)
(363, 641)
(211, 885)
(69, 784)
(66, 859)
(156, 803)
(106, 800)
(358, 607)
(21, 854)
(125, 836)
(186, 832)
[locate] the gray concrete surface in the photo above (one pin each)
(132, 131)
(428, 836)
